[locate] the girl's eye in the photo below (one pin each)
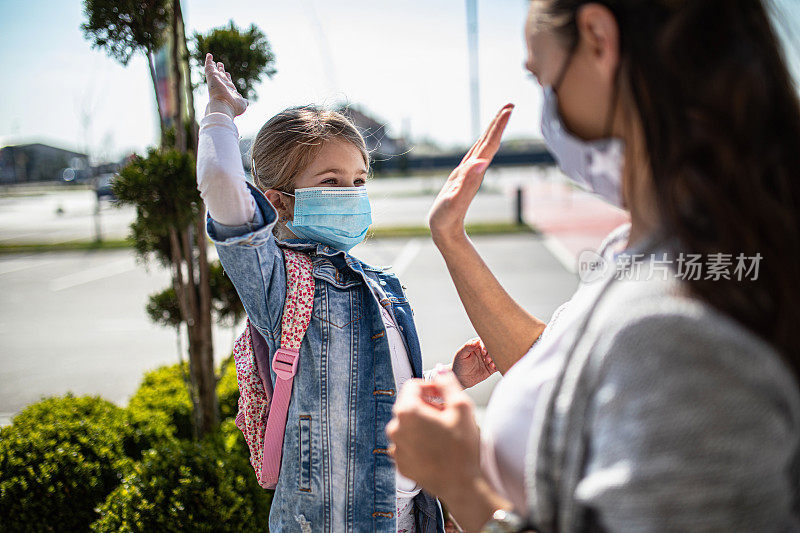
(360, 182)
(329, 180)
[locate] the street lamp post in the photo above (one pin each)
(474, 86)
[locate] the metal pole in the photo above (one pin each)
(520, 205)
(98, 232)
(474, 86)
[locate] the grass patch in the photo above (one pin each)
(69, 246)
(483, 228)
(384, 232)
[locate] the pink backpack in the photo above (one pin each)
(262, 411)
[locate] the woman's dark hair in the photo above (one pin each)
(721, 123)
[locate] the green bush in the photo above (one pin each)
(163, 395)
(62, 456)
(187, 486)
(231, 439)
(228, 389)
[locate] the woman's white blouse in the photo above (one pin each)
(514, 408)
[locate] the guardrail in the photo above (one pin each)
(410, 162)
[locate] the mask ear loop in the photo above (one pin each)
(615, 90)
(560, 78)
(287, 194)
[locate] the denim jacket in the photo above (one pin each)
(336, 474)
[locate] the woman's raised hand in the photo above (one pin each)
(222, 93)
(472, 363)
(446, 217)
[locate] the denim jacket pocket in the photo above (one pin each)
(341, 279)
(304, 474)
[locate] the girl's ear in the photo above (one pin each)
(280, 203)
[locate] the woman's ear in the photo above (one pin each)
(599, 31)
(281, 204)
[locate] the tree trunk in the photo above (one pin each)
(177, 120)
(204, 287)
(152, 65)
(196, 291)
(193, 127)
(202, 349)
(199, 290)
(187, 314)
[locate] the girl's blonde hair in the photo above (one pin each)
(289, 141)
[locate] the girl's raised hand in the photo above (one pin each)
(222, 93)
(446, 217)
(473, 364)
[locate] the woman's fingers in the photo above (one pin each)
(486, 133)
(495, 134)
(480, 140)
(490, 142)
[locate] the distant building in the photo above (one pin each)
(374, 132)
(25, 163)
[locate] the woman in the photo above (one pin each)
(650, 402)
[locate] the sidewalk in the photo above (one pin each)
(571, 219)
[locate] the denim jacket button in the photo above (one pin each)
(383, 282)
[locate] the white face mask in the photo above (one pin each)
(595, 165)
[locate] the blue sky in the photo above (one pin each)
(405, 62)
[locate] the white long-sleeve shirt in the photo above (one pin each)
(222, 185)
(220, 174)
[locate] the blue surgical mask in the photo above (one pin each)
(336, 216)
(595, 165)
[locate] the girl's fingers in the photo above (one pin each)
(228, 74)
(209, 66)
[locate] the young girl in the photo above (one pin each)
(310, 166)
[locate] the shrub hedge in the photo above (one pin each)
(79, 463)
(62, 456)
(163, 395)
(187, 486)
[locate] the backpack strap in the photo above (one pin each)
(296, 317)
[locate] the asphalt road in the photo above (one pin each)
(63, 214)
(75, 321)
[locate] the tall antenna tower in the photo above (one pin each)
(474, 86)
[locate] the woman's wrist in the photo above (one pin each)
(473, 503)
(447, 239)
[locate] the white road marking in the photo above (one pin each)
(20, 236)
(22, 263)
(561, 253)
(406, 256)
(93, 274)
